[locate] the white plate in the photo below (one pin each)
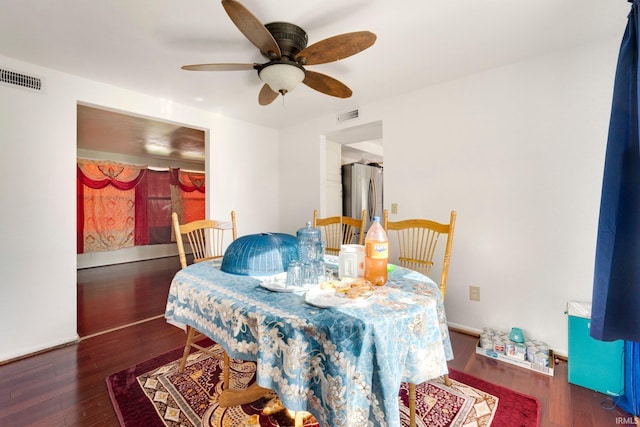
(280, 286)
(327, 298)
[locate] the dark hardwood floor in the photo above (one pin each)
(66, 386)
(114, 296)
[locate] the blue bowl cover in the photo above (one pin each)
(263, 254)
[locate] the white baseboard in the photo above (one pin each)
(12, 357)
(465, 329)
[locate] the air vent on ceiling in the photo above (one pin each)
(12, 78)
(349, 115)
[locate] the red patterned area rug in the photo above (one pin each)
(153, 393)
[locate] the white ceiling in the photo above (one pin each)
(141, 44)
(109, 131)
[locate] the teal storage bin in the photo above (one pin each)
(596, 365)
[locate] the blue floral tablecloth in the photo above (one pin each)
(344, 365)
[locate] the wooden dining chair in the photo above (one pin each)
(417, 241)
(340, 230)
(206, 239)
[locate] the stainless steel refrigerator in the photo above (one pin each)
(362, 189)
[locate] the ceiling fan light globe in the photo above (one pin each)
(282, 78)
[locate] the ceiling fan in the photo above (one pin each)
(285, 46)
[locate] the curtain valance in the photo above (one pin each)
(188, 181)
(98, 174)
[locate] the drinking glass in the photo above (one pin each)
(294, 274)
(321, 272)
(309, 274)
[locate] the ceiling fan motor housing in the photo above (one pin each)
(290, 38)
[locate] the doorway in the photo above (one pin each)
(130, 285)
(104, 134)
(357, 144)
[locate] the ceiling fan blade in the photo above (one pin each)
(219, 67)
(336, 48)
(266, 96)
(252, 28)
(325, 84)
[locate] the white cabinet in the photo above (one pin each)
(333, 180)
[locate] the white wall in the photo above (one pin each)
(37, 150)
(37, 184)
(518, 152)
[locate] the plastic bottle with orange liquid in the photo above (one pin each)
(376, 254)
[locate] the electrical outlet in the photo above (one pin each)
(474, 293)
(394, 208)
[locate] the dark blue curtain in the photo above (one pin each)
(630, 401)
(616, 289)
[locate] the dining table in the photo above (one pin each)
(342, 362)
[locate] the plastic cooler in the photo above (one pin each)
(596, 365)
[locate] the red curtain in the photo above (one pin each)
(120, 205)
(188, 194)
(117, 218)
(159, 206)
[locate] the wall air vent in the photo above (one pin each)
(349, 115)
(12, 78)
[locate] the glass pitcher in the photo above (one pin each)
(310, 245)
